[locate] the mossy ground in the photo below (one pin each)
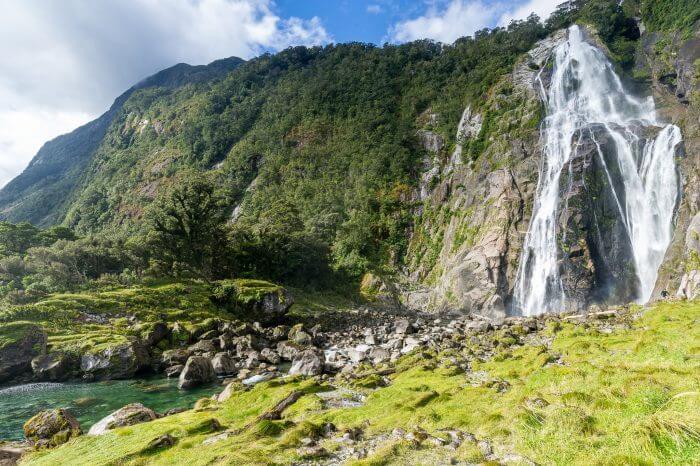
(96, 319)
(631, 396)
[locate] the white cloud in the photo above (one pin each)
(459, 18)
(448, 21)
(64, 62)
(542, 8)
(374, 9)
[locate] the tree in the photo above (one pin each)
(187, 234)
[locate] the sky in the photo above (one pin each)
(65, 62)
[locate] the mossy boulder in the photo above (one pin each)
(118, 360)
(20, 342)
(129, 415)
(256, 300)
(198, 370)
(51, 428)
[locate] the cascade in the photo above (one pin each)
(586, 91)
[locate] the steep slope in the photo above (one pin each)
(42, 192)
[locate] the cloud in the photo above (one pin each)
(542, 8)
(374, 9)
(64, 62)
(459, 18)
(448, 21)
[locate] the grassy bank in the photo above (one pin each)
(578, 393)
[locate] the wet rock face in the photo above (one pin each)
(596, 258)
(16, 356)
(51, 428)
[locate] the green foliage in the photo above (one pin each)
(671, 15)
(187, 234)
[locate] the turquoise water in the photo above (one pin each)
(90, 402)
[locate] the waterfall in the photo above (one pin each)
(585, 90)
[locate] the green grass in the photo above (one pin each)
(628, 397)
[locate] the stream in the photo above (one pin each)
(90, 402)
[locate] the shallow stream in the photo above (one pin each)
(90, 402)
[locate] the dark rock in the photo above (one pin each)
(10, 453)
(156, 333)
(129, 415)
(160, 443)
(26, 342)
(116, 361)
(197, 371)
(54, 367)
(174, 371)
(51, 428)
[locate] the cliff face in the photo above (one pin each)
(468, 241)
(670, 60)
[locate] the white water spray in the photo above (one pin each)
(586, 90)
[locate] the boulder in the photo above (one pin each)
(19, 344)
(204, 346)
(129, 415)
(358, 353)
(51, 428)
(223, 364)
(288, 350)
(174, 371)
(403, 327)
(308, 362)
(175, 356)
(270, 355)
(198, 370)
(10, 453)
(116, 361)
(299, 336)
(54, 367)
(378, 355)
(156, 333)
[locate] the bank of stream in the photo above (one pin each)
(90, 402)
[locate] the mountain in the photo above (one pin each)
(417, 163)
(42, 192)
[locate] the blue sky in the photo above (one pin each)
(65, 61)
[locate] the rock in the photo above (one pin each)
(175, 356)
(116, 361)
(308, 362)
(379, 355)
(204, 346)
(256, 379)
(54, 367)
(22, 343)
(51, 428)
(174, 371)
(228, 392)
(210, 335)
(160, 443)
(280, 332)
(156, 333)
(299, 336)
(129, 415)
(485, 447)
(409, 344)
(288, 350)
(358, 353)
(223, 364)
(403, 327)
(197, 371)
(179, 335)
(270, 356)
(10, 453)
